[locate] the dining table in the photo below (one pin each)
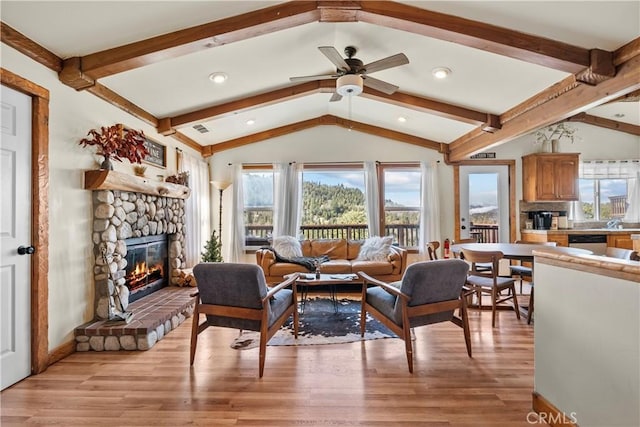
(522, 252)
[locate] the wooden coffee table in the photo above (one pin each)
(307, 280)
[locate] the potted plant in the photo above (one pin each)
(213, 249)
(550, 136)
(117, 142)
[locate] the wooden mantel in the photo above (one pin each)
(113, 180)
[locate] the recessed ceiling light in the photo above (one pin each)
(441, 72)
(218, 77)
(402, 119)
(251, 122)
(618, 115)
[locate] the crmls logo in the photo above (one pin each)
(552, 419)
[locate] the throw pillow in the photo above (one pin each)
(375, 248)
(287, 246)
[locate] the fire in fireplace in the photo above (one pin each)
(147, 265)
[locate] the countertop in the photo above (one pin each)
(584, 231)
(613, 267)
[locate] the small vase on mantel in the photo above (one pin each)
(555, 145)
(106, 164)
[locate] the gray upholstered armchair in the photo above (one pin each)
(429, 292)
(236, 296)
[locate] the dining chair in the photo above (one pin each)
(432, 248)
(488, 282)
(430, 292)
(236, 296)
(525, 272)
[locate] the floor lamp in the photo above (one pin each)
(221, 186)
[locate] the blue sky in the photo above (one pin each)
(483, 189)
(608, 187)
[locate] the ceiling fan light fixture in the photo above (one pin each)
(441, 72)
(349, 85)
(218, 77)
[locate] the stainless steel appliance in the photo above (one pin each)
(596, 243)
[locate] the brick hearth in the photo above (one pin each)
(154, 316)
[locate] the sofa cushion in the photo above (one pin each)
(283, 268)
(336, 266)
(353, 248)
(333, 248)
(287, 246)
(372, 268)
(375, 248)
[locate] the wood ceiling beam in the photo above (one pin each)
(574, 101)
(198, 38)
(29, 48)
(251, 102)
(328, 119)
(488, 121)
(479, 35)
(606, 123)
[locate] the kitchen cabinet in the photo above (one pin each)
(620, 240)
(550, 176)
(561, 239)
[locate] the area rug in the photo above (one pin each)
(320, 324)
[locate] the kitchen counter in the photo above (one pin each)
(605, 231)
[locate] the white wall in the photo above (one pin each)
(72, 115)
(587, 345)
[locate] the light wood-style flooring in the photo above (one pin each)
(363, 383)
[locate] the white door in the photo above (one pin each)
(484, 201)
(15, 232)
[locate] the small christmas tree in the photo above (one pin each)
(213, 249)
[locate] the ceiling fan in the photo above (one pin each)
(352, 74)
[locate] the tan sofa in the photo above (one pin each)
(343, 256)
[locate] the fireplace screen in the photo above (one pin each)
(147, 265)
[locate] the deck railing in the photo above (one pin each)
(485, 233)
(405, 235)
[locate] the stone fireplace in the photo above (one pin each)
(138, 251)
(120, 216)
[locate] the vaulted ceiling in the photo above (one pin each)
(515, 66)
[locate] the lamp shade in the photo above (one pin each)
(221, 185)
(349, 85)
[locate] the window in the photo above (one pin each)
(604, 199)
(401, 195)
(258, 206)
(333, 204)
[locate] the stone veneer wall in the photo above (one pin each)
(120, 215)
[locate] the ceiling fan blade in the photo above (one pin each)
(312, 78)
(389, 62)
(335, 97)
(377, 84)
(334, 56)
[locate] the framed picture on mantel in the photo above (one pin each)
(157, 153)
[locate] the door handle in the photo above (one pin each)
(26, 250)
(464, 227)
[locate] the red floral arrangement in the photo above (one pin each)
(117, 142)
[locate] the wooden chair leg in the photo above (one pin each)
(408, 345)
(530, 310)
(194, 333)
(494, 298)
(516, 307)
(465, 325)
(363, 318)
(263, 348)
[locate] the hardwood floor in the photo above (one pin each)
(364, 383)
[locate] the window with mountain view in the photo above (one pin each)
(402, 205)
(333, 204)
(258, 206)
